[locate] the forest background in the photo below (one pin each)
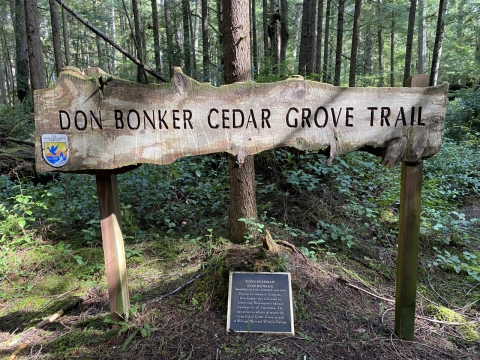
(343, 217)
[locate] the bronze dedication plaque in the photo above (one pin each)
(260, 302)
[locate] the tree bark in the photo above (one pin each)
(307, 51)
(141, 76)
(186, 37)
(205, 42)
(296, 28)
(21, 58)
(408, 49)
(34, 41)
(392, 49)
(381, 57)
(168, 29)
(237, 68)
(318, 53)
(66, 39)
(156, 37)
(338, 52)
(325, 42)
(284, 30)
(354, 50)
(437, 47)
(57, 42)
(422, 37)
(254, 37)
(368, 57)
(266, 43)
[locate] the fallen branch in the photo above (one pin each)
(113, 43)
(59, 313)
(181, 287)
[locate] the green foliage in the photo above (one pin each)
(463, 116)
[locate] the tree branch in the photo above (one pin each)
(113, 43)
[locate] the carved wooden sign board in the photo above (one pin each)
(94, 124)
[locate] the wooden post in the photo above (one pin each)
(113, 248)
(409, 230)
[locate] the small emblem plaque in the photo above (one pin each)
(55, 149)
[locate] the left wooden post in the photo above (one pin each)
(113, 247)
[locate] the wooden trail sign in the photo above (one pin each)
(104, 125)
(109, 123)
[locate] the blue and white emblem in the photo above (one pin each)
(55, 149)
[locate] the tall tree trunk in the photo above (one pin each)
(186, 37)
(325, 42)
(307, 51)
(274, 33)
(368, 57)
(169, 31)
(284, 30)
(141, 76)
(237, 68)
(220, 31)
(205, 42)
(354, 51)
(193, 55)
(338, 53)
(57, 42)
(437, 47)
(34, 41)
(66, 39)
(296, 28)
(21, 59)
(381, 58)
(408, 49)
(156, 36)
(254, 37)
(422, 37)
(318, 53)
(266, 43)
(392, 49)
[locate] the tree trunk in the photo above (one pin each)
(437, 47)
(141, 76)
(237, 68)
(254, 37)
(57, 42)
(318, 53)
(21, 59)
(266, 43)
(422, 37)
(168, 29)
(284, 30)
(205, 42)
(381, 58)
(66, 39)
(354, 50)
(296, 29)
(220, 31)
(338, 53)
(408, 49)
(392, 49)
(34, 41)
(274, 33)
(156, 37)
(307, 51)
(186, 37)
(325, 42)
(368, 57)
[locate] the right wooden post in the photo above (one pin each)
(409, 230)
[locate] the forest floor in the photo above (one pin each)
(343, 309)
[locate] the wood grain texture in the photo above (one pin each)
(161, 123)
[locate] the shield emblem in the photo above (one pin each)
(55, 149)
